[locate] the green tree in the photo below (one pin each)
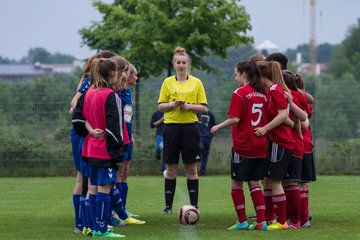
(325, 52)
(347, 57)
(147, 31)
(37, 54)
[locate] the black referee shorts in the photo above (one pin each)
(184, 139)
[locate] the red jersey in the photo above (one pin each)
(251, 107)
(278, 101)
(300, 101)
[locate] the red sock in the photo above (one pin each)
(280, 207)
(239, 204)
(293, 203)
(304, 216)
(257, 197)
(269, 207)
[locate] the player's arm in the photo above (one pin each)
(196, 108)
(305, 124)
(228, 122)
(279, 119)
(97, 133)
(114, 142)
(289, 122)
(78, 120)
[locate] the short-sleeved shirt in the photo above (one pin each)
(251, 107)
(278, 101)
(190, 91)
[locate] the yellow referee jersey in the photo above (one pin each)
(190, 91)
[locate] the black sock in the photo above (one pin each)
(193, 188)
(170, 186)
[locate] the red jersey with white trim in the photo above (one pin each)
(251, 107)
(299, 143)
(278, 101)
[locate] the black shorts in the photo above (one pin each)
(247, 169)
(277, 161)
(293, 173)
(184, 139)
(308, 172)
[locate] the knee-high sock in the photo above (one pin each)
(257, 197)
(92, 212)
(102, 211)
(238, 198)
(83, 211)
(279, 202)
(124, 192)
(304, 205)
(117, 204)
(88, 215)
(78, 211)
(170, 186)
(269, 206)
(293, 203)
(193, 189)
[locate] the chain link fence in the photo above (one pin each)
(35, 125)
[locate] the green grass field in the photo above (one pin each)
(41, 208)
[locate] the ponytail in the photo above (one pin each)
(289, 79)
(277, 76)
(101, 72)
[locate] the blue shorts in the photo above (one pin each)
(128, 154)
(76, 149)
(80, 165)
(101, 176)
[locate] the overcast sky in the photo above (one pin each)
(54, 24)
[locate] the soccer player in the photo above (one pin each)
(291, 183)
(280, 143)
(127, 108)
(100, 109)
(308, 173)
(182, 96)
(247, 111)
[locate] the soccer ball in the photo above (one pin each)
(188, 215)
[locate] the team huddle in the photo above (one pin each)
(272, 142)
(269, 114)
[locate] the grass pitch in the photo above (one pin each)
(41, 208)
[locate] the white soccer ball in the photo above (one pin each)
(188, 215)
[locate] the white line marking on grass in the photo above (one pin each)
(185, 231)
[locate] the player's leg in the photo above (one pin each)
(205, 148)
(170, 175)
(292, 191)
(192, 182)
(238, 198)
(75, 141)
(257, 197)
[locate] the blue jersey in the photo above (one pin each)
(127, 108)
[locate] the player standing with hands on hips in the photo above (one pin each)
(181, 97)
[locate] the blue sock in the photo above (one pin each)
(92, 208)
(117, 204)
(88, 215)
(83, 211)
(77, 209)
(111, 207)
(124, 192)
(102, 211)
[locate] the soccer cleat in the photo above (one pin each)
(278, 226)
(87, 232)
(167, 210)
(77, 231)
(294, 225)
(116, 221)
(258, 226)
(107, 235)
(131, 220)
(132, 214)
(305, 224)
(239, 226)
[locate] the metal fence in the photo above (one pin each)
(35, 125)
